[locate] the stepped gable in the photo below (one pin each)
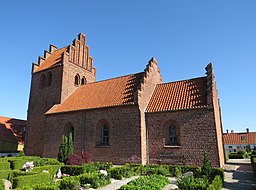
(77, 53)
(180, 95)
(107, 93)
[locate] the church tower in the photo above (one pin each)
(54, 77)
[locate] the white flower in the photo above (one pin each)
(104, 172)
(59, 174)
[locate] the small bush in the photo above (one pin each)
(150, 182)
(72, 170)
(191, 183)
(5, 165)
(18, 173)
(178, 172)
(95, 179)
(79, 159)
(90, 168)
(30, 180)
(121, 172)
(216, 184)
(46, 161)
(160, 170)
(218, 172)
(69, 183)
(52, 169)
(103, 165)
(17, 164)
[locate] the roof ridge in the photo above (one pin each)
(108, 79)
(182, 80)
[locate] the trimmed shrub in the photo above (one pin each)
(160, 170)
(17, 173)
(45, 187)
(150, 182)
(69, 183)
(46, 161)
(17, 164)
(52, 169)
(90, 168)
(191, 183)
(121, 172)
(216, 184)
(2, 187)
(103, 165)
(236, 156)
(24, 188)
(72, 170)
(30, 180)
(5, 165)
(95, 179)
(6, 174)
(253, 161)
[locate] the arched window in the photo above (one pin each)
(69, 130)
(77, 80)
(42, 81)
(105, 134)
(49, 79)
(83, 81)
(172, 134)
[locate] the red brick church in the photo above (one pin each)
(133, 117)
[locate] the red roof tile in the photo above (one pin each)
(107, 93)
(52, 60)
(186, 94)
(239, 138)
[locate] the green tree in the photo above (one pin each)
(248, 148)
(207, 168)
(66, 148)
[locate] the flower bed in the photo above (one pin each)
(149, 182)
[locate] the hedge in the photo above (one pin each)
(121, 172)
(216, 184)
(52, 169)
(72, 170)
(5, 165)
(191, 183)
(149, 182)
(69, 183)
(253, 161)
(45, 187)
(2, 187)
(30, 180)
(6, 174)
(94, 179)
(236, 156)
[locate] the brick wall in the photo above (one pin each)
(124, 134)
(196, 134)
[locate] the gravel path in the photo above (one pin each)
(116, 184)
(239, 175)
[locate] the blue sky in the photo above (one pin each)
(183, 35)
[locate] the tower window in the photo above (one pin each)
(42, 81)
(83, 81)
(49, 79)
(77, 80)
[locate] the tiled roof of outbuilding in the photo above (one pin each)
(239, 138)
(12, 130)
(52, 60)
(186, 94)
(106, 93)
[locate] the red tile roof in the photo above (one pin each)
(239, 138)
(15, 127)
(186, 94)
(52, 60)
(107, 93)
